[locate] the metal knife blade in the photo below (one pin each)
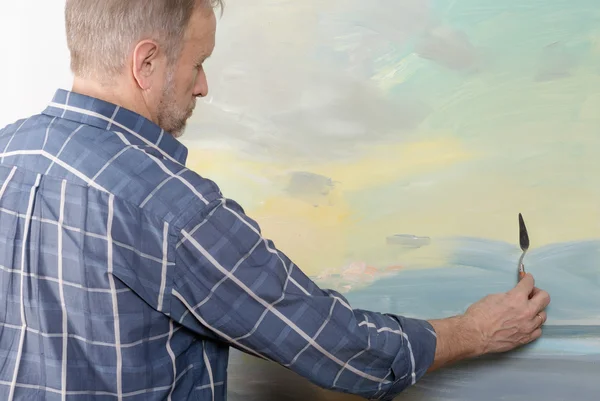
(524, 244)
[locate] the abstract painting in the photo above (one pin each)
(388, 146)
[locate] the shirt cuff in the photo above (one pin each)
(415, 358)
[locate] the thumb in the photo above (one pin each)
(525, 286)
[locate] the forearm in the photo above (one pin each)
(457, 339)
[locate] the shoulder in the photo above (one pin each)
(173, 191)
(49, 133)
(27, 124)
(134, 172)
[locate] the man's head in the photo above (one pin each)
(147, 53)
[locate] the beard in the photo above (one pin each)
(171, 117)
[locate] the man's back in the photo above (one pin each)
(86, 242)
(125, 275)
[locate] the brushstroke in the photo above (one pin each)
(555, 63)
(309, 185)
(449, 48)
(354, 276)
(408, 241)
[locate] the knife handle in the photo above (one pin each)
(521, 271)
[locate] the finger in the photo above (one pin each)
(542, 317)
(538, 320)
(537, 333)
(533, 292)
(525, 286)
(540, 301)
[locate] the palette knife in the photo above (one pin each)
(524, 243)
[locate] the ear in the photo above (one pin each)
(146, 62)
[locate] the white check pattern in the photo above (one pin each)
(124, 275)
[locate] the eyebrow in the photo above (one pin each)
(202, 59)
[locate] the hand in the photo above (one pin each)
(506, 321)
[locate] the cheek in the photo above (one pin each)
(185, 91)
(184, 85)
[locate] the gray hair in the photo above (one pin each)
(101, 33)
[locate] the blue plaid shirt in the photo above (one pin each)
(124, 275)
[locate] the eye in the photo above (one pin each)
(200, 63)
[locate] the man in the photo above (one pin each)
(126, 276)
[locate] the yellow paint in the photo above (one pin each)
(329, 232)
(325, 233)
(387, 163)
(315, 238)
(377, 166)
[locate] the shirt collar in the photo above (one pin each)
(107, 116)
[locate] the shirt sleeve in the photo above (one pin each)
(233, 285)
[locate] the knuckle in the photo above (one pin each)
(526, 339)
(516, 301)
(530, 313)
(532, 326)
(545, 296)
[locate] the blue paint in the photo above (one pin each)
(478, 267)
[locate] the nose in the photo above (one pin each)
(201, 87)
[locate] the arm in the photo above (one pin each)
(232, 284)
(457, 339)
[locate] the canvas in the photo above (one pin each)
(388, 146)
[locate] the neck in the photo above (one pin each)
(115, 93)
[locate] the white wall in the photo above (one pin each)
(34, 60)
